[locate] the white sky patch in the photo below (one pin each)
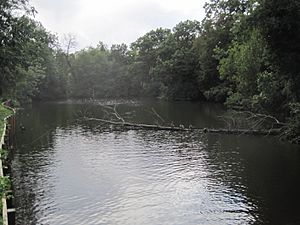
(113, 21)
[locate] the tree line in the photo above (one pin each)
(244, 53)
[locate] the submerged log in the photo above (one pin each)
(246, 131)
(182, 128)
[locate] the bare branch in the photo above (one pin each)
(69, 43)
(254, 121)
(156, 114)
(252, 115)
(117, 114)
(182, 128)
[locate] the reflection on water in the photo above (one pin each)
(68, 172)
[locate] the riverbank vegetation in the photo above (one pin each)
(4, 113)
(244, 54)
(4, 180)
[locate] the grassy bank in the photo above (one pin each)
(4, 112)
(4, 181)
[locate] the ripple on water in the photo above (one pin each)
(132, 177)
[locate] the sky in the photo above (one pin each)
(113, 21)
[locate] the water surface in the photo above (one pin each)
(68, 171)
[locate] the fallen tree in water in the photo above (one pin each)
(182, 128)
(254, 129)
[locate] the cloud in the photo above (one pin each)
(129, 23)
(113, 21)
(56, 10)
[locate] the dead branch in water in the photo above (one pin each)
(181, 128)
(259, 116)
(247, 120)
(138, 125)
(156, 114)
(255, 129)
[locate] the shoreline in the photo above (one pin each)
(5, 113)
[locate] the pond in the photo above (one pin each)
(69, 171)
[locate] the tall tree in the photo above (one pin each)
(24, 44)
(279, 22)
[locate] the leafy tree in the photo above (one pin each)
(177, 73)
(217, 33)
(186, 32)
(24, 46)
(279, 22)
(55, 84)
(149, 49)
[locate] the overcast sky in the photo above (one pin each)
(113, 21)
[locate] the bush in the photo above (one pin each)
(293, 131)
(217, 94)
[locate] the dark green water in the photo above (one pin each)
(66, 171)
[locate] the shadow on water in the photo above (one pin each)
(66, 171)
(265, 170)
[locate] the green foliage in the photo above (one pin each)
(242, 63)
(245, 53)
(56, 80)
(5, 191)
(218, 29)
(101, 73)
(4, 181)
(218, 93)
(257, 79)
(280, 24)
(186, 32)
(4, 112)
(167, 63)
(23, 48)
(5, 186)
(293, 131)
(146, 53)
(271, 95)
(208, 75)
(178, 75)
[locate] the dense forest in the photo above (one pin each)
(245, 54)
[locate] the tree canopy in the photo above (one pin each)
(245, 53)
